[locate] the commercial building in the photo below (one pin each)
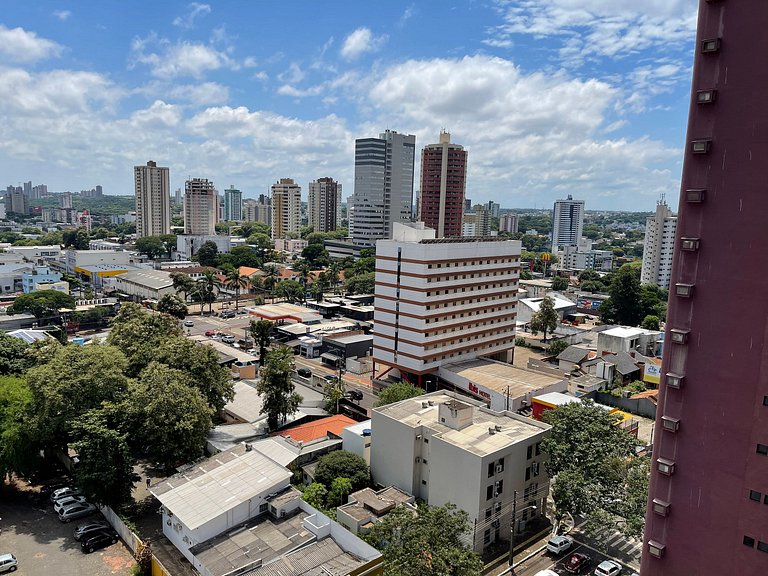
(233, 204)
(458, 451)
(324, 204)
(508, 222)
(707, 512)
(152, 187)
(659, 246)
(443, 300)
(567, 222)
(575, 258)
(286, 208)
(41, 278)
(629, 339)
(383, 186)
(142, 284)
(76, 259)
(201, 207)
(443, 185)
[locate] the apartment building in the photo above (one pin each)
(508, 222)
(443, 185)
(324, 205)
(659, 246)
(567, 222)
(153, 200)
(233, 204)
(451, 450)
(258, 210)
(439, 301)
(201, 207)
(286, 208)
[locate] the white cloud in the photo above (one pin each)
(19, 45)
(361, 41)
(407, 14)
(168, 60)
(62, 15)
(194, 11)
(197, 94)
(159, 114)
(292, 75)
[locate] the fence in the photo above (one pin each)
(134, 543)
(639, 406)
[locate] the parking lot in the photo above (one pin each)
(45, 546)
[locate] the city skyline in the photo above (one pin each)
(541, 95)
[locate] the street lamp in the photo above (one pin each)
(514, 525)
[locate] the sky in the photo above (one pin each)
(550, 97)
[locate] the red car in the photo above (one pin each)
(577, 562)
(210, 333)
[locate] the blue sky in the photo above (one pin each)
(550, 97)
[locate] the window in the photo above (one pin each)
(700, 146)
(762, 449)
(538, 448)
(660, 507)
(665, 466)
(530, 452)
(426, 440)
(762, 546)
(535, 469)
(500, 486)
(765, 400)
(710, 45)
(755, 495)
(694, 196)
(489, 492)
(500, 465)
(528, 473)
(670, 424)
(263, 507)
(487, 513)
(487, 536)
(491, 469)
(749, 541)
(424, 482)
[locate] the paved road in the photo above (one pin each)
(544, 561)
(614, 543)
(45, 546)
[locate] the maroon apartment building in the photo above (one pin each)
(443, 185)
(708, 502)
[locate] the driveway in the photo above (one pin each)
(45, 546)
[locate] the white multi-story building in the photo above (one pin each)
(659, 246)
(201, 207)
(567, 222)
(324, 204)
(508, 223)
(443, 300)
(383, 186)
(258, 210)
(459, 451)
(286, 208)
(576, 258)
(153, 200)
(233, 204)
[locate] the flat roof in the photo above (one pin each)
(246, 404)
(284, 310)
(155, 279)
(236, 353)
(367, 503)
(351, 339)
(213, 487)
(501, 377)
(627, 332)
(556, 398)
(476, 437)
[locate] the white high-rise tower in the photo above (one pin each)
(153, 200)
(659, 246)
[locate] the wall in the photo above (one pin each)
(394, 467)
(639, 406)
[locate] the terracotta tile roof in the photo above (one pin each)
(248, 271)
(318, 429)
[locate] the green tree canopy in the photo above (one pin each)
(545, 319)
(316, 255)
(559, 283)
(151, 246)
(183, 284)
(650, 322)
(341, 488)
(426, 543)
(279, 395)
(291, 290)
(77, 239)
(360, 284)
(556, 347)
(42, 303)
(13, 355)
(17, 447)
(261, 332)
(624, 306)
(315, 495)
(398, 391)
(343, 464)
(172, 305)
(208, 253)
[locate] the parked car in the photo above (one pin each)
(64, 493)
(227, 314)
(97, 542)
(62, 503)
(559, 544)
(577, 563)
(330, 378)
(8, 563)
(75, 511)
(210, 333)
(304, 372)
(608, 568)
(188, 323)
(87, 527)
(355, 395)
(228, 339)
(546, 573)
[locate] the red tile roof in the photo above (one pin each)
(318, 429)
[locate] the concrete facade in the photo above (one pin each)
(286, 208)
(443, 186)
(567, 222)
(153, 200)
(201, 207)
(659, 246)
(324, 205)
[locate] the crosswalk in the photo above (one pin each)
(615, 542)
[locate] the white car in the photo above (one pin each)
(608, 568)
(59, 505)
(546, 573)
(8, 563)
(559, 544)
(188, 323)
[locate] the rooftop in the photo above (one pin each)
(318, 429)
(501, 377)
(573, 354)
(246, 404)
(477, 438)
(367, 503)
(211, 488)
(628, 332)
(155, 279)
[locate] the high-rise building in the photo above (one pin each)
(707, 510)
(477, 222)
(16, 201)
(443, 185)
(494, 208)
(508, 223)
(421, 321)
(324, 204)
(383, 186)
(286, 208)
(567, 222)
(201, 207)
(153, 202)
(233, 204)
(259, 210)
(659, 246)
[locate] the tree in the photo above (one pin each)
(276, 387)
(208, 288)
(139, 333)
(236, 281)
(151, 246)
(624, 306)
(428, 542)
(262, 243)
(340, 488)
(13, 355)
(171, 419)
(77, 239)
(105, 471)
(316, 255)
(556, 347)
(545, 319)
(201, 365)
(207, 254)
(183, 284)
(650, 322)
(315, 495)
(169, 243)
(261, 332)
(16, 446)
(172, 305)
(333, 392)
(398, 391)
(270, 278)
(360, 284)
(291, 290)
(41, 303)
(559, 283)
(593, 462)
(343, 464)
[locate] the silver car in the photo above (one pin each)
(75, 511)
(8, 563)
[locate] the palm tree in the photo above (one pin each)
(237, 281)
(208, 288)
(183, 284)
(271, 275)
(256, 282)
